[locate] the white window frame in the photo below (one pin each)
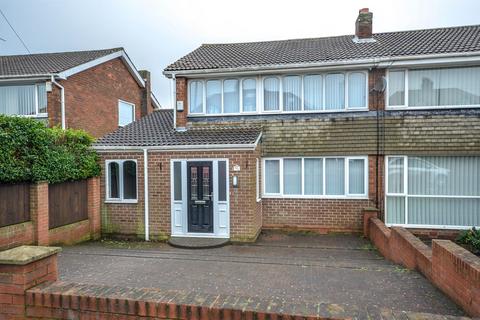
(346, 195)
(257, 180)
(405, 195)
(120, 163)
(406, 106)
(133, 110)
(37, 114)
(260, 108)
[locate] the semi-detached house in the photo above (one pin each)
(304, 134)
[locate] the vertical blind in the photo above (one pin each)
(357, 91)
(335, 176)
(442, 191)
(196, 97)
(249, 95)
(334, 91)
(272, 176)
(292, 176)
(271, 90)
(214, 96)
(292, 93)
(396, 88)
(356, 177)
(313, 92)
(313, 176)
(21, 100)
(231, 101)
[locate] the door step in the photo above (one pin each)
(197, 243)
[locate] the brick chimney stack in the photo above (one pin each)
(363, 25)
(146, 106)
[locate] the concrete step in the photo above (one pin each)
(197, 243)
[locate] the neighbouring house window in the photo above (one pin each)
(177, 181)
(121, 180)
(335, 91)
(330, 177)
(271, 94)
(357, 90)
(433, 191)
(292, 93)
(126, 113)
(195, 96)
(231, 96)
(249, 95)
(445, 87)
(24, 100)
(313, 92)
(339, 91)
(214, 96)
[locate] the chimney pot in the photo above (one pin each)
(363, 25)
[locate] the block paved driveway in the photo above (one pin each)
(336, 269)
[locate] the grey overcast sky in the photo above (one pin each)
(157, 32)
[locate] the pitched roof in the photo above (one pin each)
(330, 49)
(156, 130)
(48, 63)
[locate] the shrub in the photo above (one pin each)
(30, 152)
(471, 238)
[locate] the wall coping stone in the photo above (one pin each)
(23, 255)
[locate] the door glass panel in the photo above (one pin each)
(222, 181)
(193, 183)
(177, 181)
(206, 183)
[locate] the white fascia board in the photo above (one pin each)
(384, 62)
(118, 54)
(179, 148)
(24, 79)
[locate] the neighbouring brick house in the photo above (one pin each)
(304, 134)
(97, 91)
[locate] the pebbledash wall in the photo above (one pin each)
(91, 98)
(127, 219)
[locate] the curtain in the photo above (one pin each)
(271, 88)
(272, 176)
(313, 177)
(17, 100)
(231, 96)
(196, 97)
(114, 180)
(129, 180)
(396, 88)
(313, 92)
(335, 176)
(42, 98)
(356, 90)
(249, 95)
(214, 97)
(395, 175)
(292, 176)
(292, 93)
(356, 179)
(334, 91)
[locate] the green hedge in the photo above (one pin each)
(30, 152)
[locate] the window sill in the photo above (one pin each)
(122, 201)
(316, 197)
(431, 107)
(274, 112)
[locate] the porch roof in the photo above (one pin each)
(156, 130)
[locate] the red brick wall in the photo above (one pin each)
(128, 219)
(376, 100)
(16, 235)
(181, 94)
(91, 98)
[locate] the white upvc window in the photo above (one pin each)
(121, 181)
(457, 87)
(258, 181)
(126, 113)
(432, 191)
(315, 177)
(289, 93)
(24, 100)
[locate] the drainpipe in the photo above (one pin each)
(174, 100)
(62, 99)
(145, 183)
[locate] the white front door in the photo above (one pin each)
(200, 198)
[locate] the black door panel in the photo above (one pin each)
(200, 197)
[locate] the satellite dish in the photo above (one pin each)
(380, 85)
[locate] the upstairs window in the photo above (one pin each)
(231, 96)
(126, 113)
(292, 93)
(445, 87)
(249, 95)
(195, 97)
(214, 97)
(271, 94)
(24, 100)
(121, 180)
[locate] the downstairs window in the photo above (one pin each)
(121, 180)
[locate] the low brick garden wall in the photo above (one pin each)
(447, 265)
(38, 231)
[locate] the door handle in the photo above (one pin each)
(200, 201)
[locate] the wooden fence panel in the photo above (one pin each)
(67, 202)
(14, 203)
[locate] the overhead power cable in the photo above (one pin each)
(14, 31)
